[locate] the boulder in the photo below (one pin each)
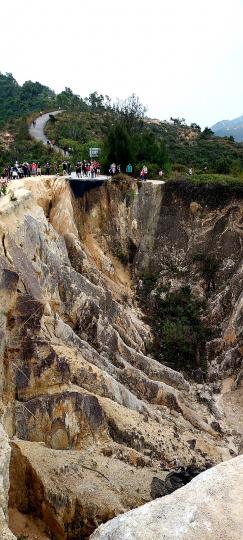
(208, 508)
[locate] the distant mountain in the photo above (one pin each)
(225, 128)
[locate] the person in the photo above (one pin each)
(33, 169)
(190, 171)
(161, 173)
(92, 170)
(20, 172)
(47, 167)
(97, 168)
(88, 171)
(142, 174)
(118, 169)
(84, 173)
(145, 170)
(69, 167)
(64, 167)
(38, 169)
(78, 169)
(14, 173)
(129, 169)
(112, 169)
(25, 169)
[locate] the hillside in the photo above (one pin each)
(172, 146)
(17, 101)
(230, 128)
(122, 132)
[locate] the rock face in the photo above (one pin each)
(97, 427)
(210, 507)
(4, 486)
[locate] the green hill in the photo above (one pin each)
(17, 101)
(121, 131)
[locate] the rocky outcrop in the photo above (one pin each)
(4, 486)
(209, 507)
(96, 424)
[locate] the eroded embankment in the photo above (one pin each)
(97, 424)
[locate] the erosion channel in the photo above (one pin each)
(100, 412)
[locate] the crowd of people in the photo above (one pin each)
(83, 169)
(87, 169)
(25, 169)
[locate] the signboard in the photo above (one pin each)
(94, 152)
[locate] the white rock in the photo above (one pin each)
(210, 507)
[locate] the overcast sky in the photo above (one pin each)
(181, 57)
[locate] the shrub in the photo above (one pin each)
(121, 178)
(180, 334)
(123, 257)
(3, 188)
(130, 196)
(209, 266)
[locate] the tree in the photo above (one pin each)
(236, 167)
(130, 113)
(223, 165)
(195, 127)
(207, 133)
(68, 100)
(147, 147)
(178, 121)
(119, 145)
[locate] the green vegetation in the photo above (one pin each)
(222, 179)
(17, 101)
(123, 257)
(120, 130)
(188, 147)
(23, 148)
(209, 266)
(3, 189)
(180, 334)
(130, 196)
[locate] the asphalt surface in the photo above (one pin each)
(37, 131)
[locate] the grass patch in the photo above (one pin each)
(211, 179)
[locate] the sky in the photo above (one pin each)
(183, 58)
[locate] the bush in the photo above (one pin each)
(130, 197)
(123, 257)
(223, 166)
(209, 266)
(179, 168)
(3, 188)
(121, 178)
(175, 317)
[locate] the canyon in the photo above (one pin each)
(92, 425)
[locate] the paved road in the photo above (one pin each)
(37, 131)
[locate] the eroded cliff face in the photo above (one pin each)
(95, 424)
